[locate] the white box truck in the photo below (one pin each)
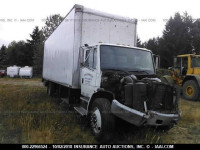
(91, 61)
(13, 71)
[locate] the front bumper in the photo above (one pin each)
(139, 118)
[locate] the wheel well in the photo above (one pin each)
(101, 94)
(45, 82)
(189, 78)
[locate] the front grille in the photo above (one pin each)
(135, 95)
(158, 96)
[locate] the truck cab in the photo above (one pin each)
(120, 81)
(104, 58)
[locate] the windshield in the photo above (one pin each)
(128, 59)
(195, 61)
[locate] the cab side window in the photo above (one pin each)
(91, 57)
(95, 59)
(185, 62)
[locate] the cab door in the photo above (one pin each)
(89, 73)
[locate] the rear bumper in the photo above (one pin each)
(139, 118)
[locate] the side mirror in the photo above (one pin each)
(157, 61)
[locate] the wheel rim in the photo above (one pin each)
(189, 91)
(96, 120)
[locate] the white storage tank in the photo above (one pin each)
(13, 71)
(26, 72)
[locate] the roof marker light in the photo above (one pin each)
(78, 9)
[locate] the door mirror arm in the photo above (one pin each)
(82, 64)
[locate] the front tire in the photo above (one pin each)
(102, 120)
(191, 90)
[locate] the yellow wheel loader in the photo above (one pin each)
(186, 73)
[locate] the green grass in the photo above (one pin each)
(29, 115)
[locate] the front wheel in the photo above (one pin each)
(190, 90)
(102, 120)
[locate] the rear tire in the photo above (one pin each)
(102, 121)
(191, 90)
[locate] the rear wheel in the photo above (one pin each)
(190, 90)
(102, 120)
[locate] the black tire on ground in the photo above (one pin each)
(191, 90)
(102, 107)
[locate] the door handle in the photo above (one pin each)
(82, 80)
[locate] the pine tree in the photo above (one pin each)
(195, 31)
(37, 44)
(38, 59)
(153, 45)
(52, 22)
(3, 59)
(176, 38)
(139, 43)
(36, 39)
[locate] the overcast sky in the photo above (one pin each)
(19, 17)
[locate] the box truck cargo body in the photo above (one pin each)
(91, 62)
(82, 26)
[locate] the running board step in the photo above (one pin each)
(85, 99)
(81, 111)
